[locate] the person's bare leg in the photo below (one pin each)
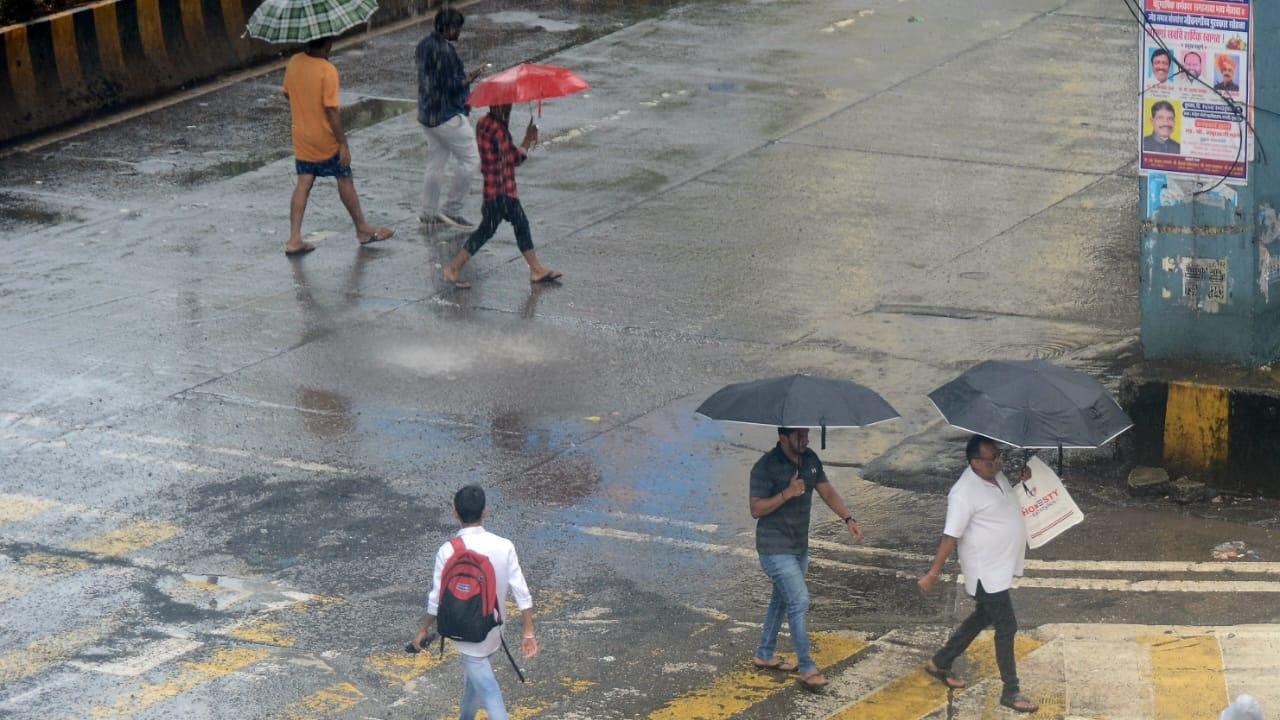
(537, 271)
(453, 271)
(298, 206)
(365, 233)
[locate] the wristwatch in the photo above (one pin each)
(847, 519)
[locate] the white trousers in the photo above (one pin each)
(454, 137)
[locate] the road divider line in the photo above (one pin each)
(42, 653)
(737, 691)
(151, 656)
(916, 694)
(1174, 586)
(1055, 583)
(1187, 679)
(732, 550)
(194, 674)
(235, 452)
(1135, 566)
(659, 520)
(142, 459)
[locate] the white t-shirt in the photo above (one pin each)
(986, 521)
(506, 566)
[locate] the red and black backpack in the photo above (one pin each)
(468, 607)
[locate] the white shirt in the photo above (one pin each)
(986, 521)
(506, 568)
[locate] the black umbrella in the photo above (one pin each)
(1032, 404)
(798, 401)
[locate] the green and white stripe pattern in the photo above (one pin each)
(299, 21)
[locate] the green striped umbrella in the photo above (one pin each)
(299, 21)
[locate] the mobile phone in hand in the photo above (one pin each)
(431, 637)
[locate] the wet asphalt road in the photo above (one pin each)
(227, 473)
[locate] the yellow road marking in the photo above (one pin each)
(737, 691)
(1186, 676)
(35, 657)
(916, 694)
(263, 631)
(194, 674)
(403, 667)
(325, 703)
(18, 507)
(1196, 426)
(524, 712)
(127, 539)
(48, 564)
(36, 565)
(546, 602)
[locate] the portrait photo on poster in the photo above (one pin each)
(1160, 128)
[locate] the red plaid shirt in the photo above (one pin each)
(499, 157)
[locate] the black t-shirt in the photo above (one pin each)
(785, 531)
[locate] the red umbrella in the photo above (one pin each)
(526, 83)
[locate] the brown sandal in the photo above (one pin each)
(946, 677)
(777, 663)
(814, 682)
(1019, 702)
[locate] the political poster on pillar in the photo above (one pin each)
(1195, 87)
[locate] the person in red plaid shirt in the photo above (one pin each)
(499, 157)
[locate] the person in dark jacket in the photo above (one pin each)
(443, 88)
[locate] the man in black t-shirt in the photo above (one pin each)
(782, 486)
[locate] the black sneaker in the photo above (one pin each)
(455, 220)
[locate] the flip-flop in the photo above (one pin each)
(813, 687)
(300, 251)
(1019, 703)
(778, 664)
(946, 677)
(551, 276)
(378, 235)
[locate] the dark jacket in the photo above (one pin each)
(442, 82)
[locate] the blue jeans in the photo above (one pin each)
(790, 597)
(480, 690)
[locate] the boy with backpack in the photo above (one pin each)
(473, 573)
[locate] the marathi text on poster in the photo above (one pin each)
(1195, 83)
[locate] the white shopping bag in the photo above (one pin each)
(1047, 509)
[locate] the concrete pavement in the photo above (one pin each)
(227, 471)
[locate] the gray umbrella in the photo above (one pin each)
(1031, 404)
(798, 401)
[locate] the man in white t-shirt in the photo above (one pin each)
(480, 688)
(984, 522)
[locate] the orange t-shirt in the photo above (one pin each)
(312, 86)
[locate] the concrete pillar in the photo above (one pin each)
(1210, 286)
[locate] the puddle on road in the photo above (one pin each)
(365, 113)
(16, 211)
(521, 17)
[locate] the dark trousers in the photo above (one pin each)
(993, 609)
(492, 213)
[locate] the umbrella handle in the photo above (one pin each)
(824, 434)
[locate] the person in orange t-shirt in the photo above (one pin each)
(320, 143)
